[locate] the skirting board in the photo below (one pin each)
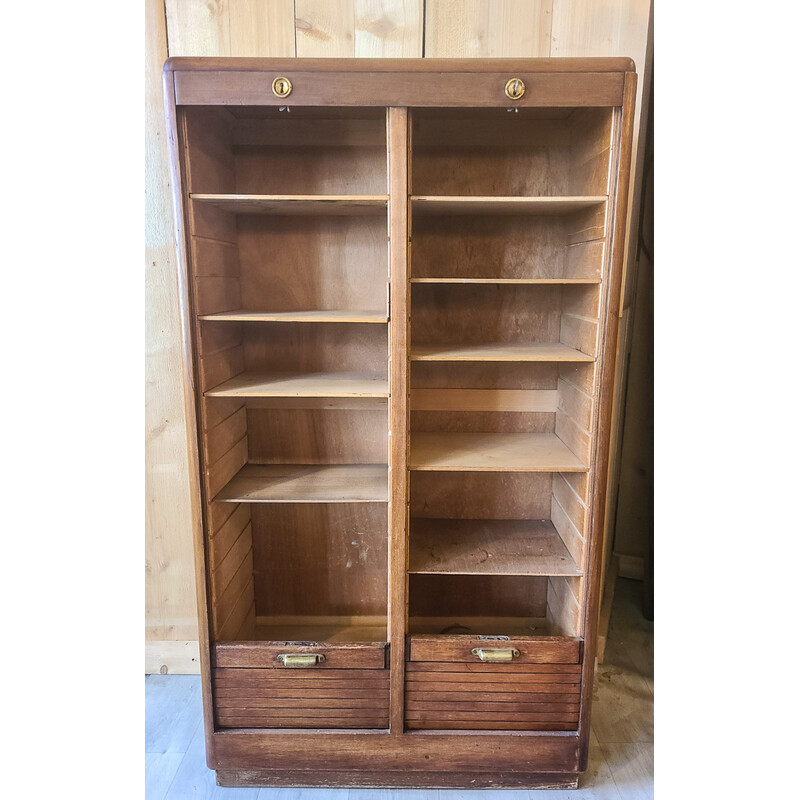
(171, 657)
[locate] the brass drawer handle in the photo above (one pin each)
(301, 659)
(282, 87)
(496, 654)
(515, 88)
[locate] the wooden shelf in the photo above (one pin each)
(307, 204)
(307, 483)
(492, 452)
(512, 281)
(488, 547)
(503, 205)
(319, 384)
(511, 351)
(242, 315)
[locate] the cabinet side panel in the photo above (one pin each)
(197, 523)
(603, 412)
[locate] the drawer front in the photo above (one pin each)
(301, 685)
(537, 690)
(525, 649)
(301, 698)
(289, 655)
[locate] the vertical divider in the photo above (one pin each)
(398, 143)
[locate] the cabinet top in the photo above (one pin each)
(437, 65)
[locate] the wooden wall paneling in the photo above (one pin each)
(487, 28)
(170, 602)
(361, 28)
(230, 27)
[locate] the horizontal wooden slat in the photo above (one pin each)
(533, 649)
(499, 708)
(480, 716)
(510, 684)
(318, 691)
(497, 697)
(377, 701)
(337, 205)
(241, 721)
(455, 725)
(301, 710)
(265, 654)
(571, 670)
(491, 678)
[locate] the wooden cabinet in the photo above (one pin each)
(400, 290)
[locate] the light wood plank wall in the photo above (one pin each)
(304, 28)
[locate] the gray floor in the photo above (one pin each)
(620, 768)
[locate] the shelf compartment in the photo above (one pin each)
(320, 384)
(488, 547)
(494, 452)
(505, 351)
(311, 205)
(319, 315)
(306, 483)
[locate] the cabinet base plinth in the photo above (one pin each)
(396, 780)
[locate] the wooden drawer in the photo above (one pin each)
(253, 688)
(449, 688)
(530, 649)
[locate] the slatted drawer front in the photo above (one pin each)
(257, 685)
(302, 698)
(461, 694)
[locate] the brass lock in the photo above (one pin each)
(282, 87)
(515, 88)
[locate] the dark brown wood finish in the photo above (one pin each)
(422, 712)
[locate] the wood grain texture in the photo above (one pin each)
(170, 606)
(487, 28)
(265, 655)
(361, 28)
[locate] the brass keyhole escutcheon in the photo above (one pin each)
(282, 87)
(515, 88)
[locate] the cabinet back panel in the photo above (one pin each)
(483, 421)
(467, 314)
(301, 263)
(467, 596)
(317, 436)
(300, 348)
(480, 495)
(310, 170)
(487, 375)
(324, 560)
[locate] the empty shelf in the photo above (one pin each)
(492, 452)
(503, 205)
(243, 315)
(320, 629)
(307, 483)
(309, 204)
(511, 351)
(488, 547)
(319, 384)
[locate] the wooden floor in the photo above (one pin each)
(620, 768)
